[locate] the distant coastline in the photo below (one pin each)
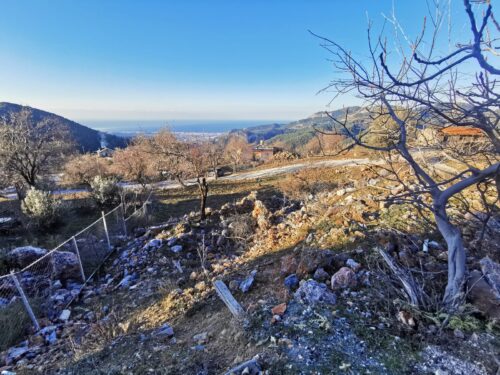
(129, 128)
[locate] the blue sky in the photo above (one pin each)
(103, 59)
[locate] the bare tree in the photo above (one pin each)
(236, 150)
(30, 148)
(417, 88)
(182, 161)
(134, 163)
(169, 154)
(215, 156)
(83, 168)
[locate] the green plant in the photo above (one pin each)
(15, 322)
(41, 208)
(105, 190)
(465, 323)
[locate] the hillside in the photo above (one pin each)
(306, 270)
(86, 138)
(301, 131)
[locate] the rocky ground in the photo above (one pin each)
(317, 296)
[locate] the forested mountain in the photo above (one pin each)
(300, 132)
(87, 139)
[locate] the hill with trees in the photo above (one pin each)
(86, 139)
(296, 133)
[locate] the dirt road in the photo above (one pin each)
(246, 175)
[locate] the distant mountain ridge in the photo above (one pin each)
(299, 132)
(87, 139)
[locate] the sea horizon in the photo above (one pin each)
(134, 127)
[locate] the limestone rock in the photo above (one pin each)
(491, 272)
(248, 282)
(65, 265)
(21, 257)
(320, 275)
(482, 295)
(292, 281)
(343, 278)
(289, 264)
(311, 292)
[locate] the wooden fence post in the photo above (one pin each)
(106, 229)
(226, 297)
(75, 245)
(25, 301)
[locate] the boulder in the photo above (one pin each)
(311, 292)
(320, 275)
(21, 257)
(482, 295)
(491, 272)
(312, 259)
(289, 264)
(292, 281)
(343, 278)
(65, 266)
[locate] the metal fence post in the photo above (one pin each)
(124, 224)
(75, 244)
(25, 301)
(106, 229)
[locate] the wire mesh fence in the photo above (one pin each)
(45, 283)
(140, 217)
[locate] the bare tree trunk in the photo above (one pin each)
(456, 259)
(20, 191)
(203, 189)
(180, 181)
(215, 174)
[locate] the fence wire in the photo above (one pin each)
(140, 217)
(46, 283)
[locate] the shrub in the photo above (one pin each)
(15, 323)
(105, 190)
(242, 227)
(40, 208)
(307, 181)
(82, 169)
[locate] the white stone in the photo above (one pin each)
(65, 314)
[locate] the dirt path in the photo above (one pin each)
(247, 175)
(295, 167)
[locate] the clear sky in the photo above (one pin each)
(185, 59)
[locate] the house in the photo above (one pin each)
(430, 136)
(264, 153)
(460, 133)
(105, 152)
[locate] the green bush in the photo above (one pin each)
(41, 208)
(105, 190)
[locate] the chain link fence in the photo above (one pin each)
(46, 283)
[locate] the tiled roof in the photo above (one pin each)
(460, 130)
